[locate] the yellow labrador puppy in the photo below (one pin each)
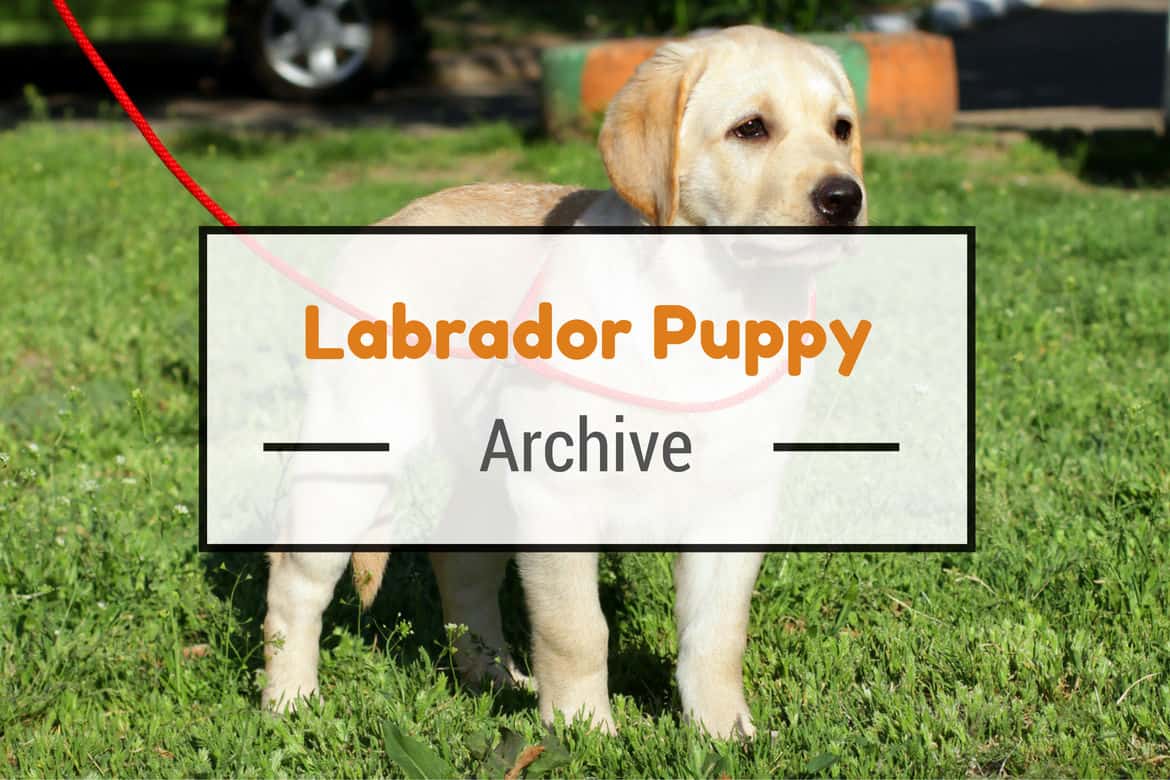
(741, 127)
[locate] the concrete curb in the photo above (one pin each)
(905, 82)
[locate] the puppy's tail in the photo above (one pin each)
(368, 568)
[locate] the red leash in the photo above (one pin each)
(138, 119)
(225, 219)
(180, 173)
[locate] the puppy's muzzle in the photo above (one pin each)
(837, 200)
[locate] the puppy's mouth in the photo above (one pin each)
(812, 252)
(749, 253)
(773, 273)
(770, 290)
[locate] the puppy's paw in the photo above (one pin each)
(281, 696)
(738, 726)
(723, 716)
(503, 672)
(604, 724)
(591, 707)
(483, 667)
(599, 720)
(726, 725)
(495, 675)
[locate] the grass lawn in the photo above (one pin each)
(36, 21)
(125, 652)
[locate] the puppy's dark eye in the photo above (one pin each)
(842, 129)
(751, 129)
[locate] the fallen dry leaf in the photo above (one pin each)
(526, 757)
(196, 651)
(796, 626)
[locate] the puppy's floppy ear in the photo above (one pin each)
(856, 160)
(640, 138)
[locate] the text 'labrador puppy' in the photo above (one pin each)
(745, 127)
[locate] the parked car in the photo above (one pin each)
(322, 49)
(298, 49)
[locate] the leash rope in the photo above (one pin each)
(547, 371)
(156, 144)
(180, 173)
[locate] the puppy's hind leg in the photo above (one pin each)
(469, 585)
(570, 640)
(712, 602)
(300, 587)
(345, 493)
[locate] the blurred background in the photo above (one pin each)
(1058, 64)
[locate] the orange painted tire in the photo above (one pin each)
(609, 66)
(906, 83)
(913, 83)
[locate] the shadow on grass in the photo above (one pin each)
(636, 670)
(409, 592)
(1119, 158)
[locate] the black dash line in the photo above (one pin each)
(836, 446)
(326, 446)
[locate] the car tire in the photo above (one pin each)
(322, 50)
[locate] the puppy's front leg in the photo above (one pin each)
(300, 587)
(713, 593)
(570, 640)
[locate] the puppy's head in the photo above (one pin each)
(741, 127)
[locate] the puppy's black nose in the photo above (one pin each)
(837, 200)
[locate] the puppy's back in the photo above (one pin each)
(497, 205)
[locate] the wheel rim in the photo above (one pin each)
(316, 44)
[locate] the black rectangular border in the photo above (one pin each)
(883, 230)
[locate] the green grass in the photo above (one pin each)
(36, 21)
(1045, 653)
